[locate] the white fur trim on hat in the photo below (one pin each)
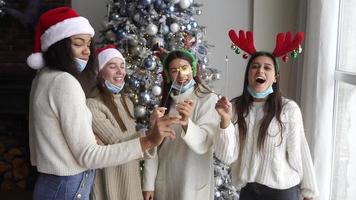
(35, 60)
(65, 29)
(106, 55)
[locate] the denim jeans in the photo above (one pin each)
(52, 187)
(256, 191)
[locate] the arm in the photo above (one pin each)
(149, 174)
(298, 152)
(67, 100)
(225, 145)
(225, 141)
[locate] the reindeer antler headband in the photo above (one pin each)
(284, 43)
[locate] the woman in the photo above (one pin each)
(273, 158)
(113, 123)
(183, 169)
(62, 143)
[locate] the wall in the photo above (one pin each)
(269, 18)
(265, 18)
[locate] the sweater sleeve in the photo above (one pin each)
(68, 102)
(298, 152)
(104, 124)
(149, 174)
(200, 132)
(225, 144)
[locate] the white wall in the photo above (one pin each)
(265, 18)
(220, 16)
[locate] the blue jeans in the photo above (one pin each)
(52, 187)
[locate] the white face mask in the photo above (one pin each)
(113, 88)
(260, 95)
(184, 88)
(80, 64)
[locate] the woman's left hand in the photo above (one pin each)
(185, 109)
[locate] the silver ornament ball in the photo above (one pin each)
(184, 4)
(140, 111)
(156, 90)
(151, 29)
(174, 27)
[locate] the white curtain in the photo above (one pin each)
(315, 89)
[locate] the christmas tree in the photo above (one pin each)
(2, 8)
(144, 30)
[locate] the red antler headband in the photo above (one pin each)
(284, 43)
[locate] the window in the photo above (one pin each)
(344, 149)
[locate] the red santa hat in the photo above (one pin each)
(107, 53)
(53, 26)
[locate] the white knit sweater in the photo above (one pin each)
(60, 129)
(183, 169)
(280, 165)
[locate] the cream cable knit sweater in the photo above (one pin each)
(277, 166)
(121, 182)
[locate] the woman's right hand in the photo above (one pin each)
(224, 109)
(160, 129)
(147, 195)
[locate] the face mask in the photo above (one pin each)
(260, 95)
(184, 88)
(113, 88)
(80, 64)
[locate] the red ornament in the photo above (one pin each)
(245, 55)
(285, 58)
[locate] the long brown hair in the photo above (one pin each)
(108, 99)
(199, 87)
(272, 107)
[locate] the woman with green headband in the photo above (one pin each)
(183, 169)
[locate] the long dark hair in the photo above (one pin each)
(198, 88)
(59, 56)
(272, 107)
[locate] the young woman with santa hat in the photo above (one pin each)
(113, 122)
(62, 143)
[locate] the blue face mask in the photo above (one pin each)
(184, 88)
(113, 88)
(80, 64)
(260, 95)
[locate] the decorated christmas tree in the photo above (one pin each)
(144, 30)
(2, 8)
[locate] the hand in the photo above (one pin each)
(185, 109)
(159, 131)
(305, 198)
(158, 112)
(224, 109)
(148, 195)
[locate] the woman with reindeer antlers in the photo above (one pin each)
(183, 169)
(270, 154)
